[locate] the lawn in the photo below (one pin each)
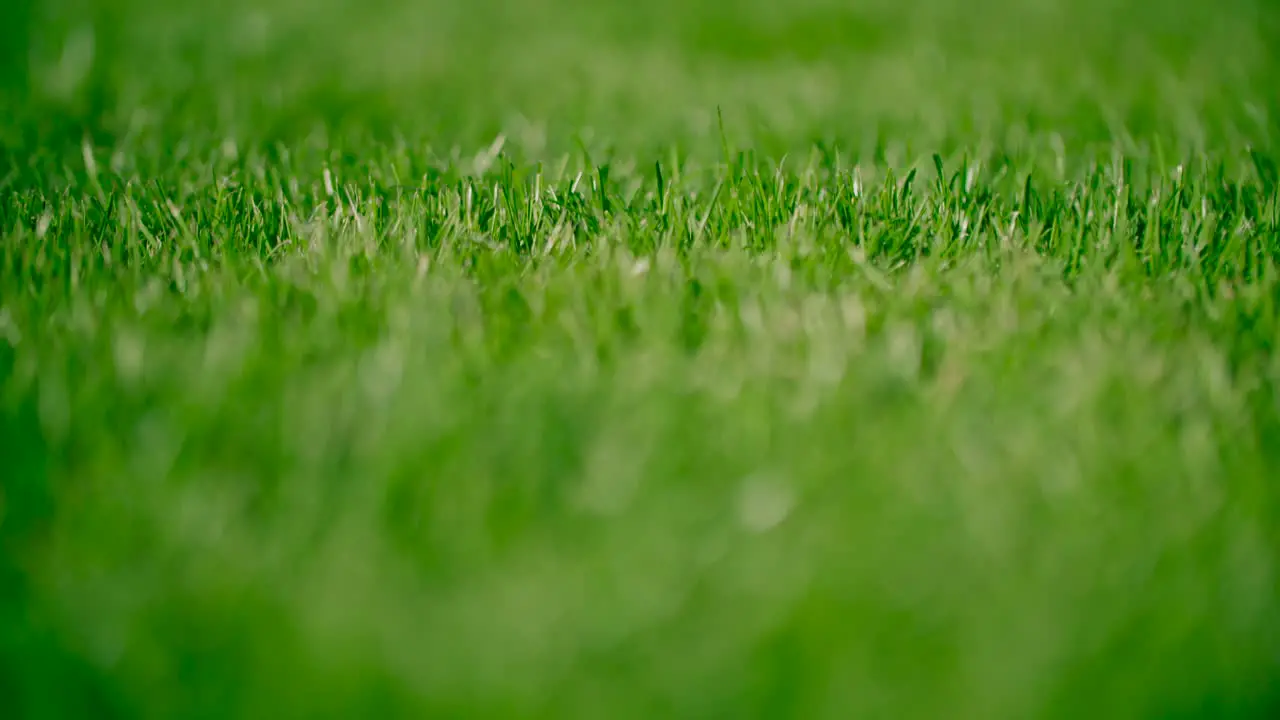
(681, 359)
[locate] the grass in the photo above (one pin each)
(567, 359)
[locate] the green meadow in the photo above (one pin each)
(681, 359)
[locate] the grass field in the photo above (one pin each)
(680, 359)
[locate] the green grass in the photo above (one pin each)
(568, 359)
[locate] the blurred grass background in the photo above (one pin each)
(933, 74)
(395, 467)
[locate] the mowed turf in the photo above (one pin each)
(687, 359)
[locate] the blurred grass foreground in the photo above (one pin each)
(690, 359)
